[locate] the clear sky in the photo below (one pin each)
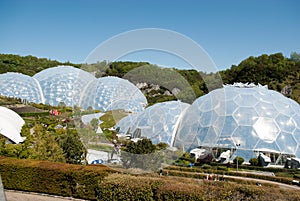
(229, 31)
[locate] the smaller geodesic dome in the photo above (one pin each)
(245, 118)
(112, 93)
(21, 86)
(63, 84)
(158, 122)
(11, 124)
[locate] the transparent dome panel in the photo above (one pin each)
(63, 84)
(109, 93)
(21, 86)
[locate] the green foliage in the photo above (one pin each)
(120, 69)
(253, 161)
(141, 154)
(22, 150)
(94, 123)
(28, 65)
(273, 70)
(110, 118)
(161, 146)
(295, 56)
(143, 146)
(101, 183)
(46, 146)
(206, 166)
(239, 159)
(73, 150)
(52, 178)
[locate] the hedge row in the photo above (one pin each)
(34, 114)
(101, 183)
(128, 187)
(52, 178)
(231, 173)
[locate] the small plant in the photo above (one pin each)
(253, 161)
(240, 160)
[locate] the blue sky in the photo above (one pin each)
(229, 31)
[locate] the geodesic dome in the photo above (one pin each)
(63, 84)
(112, 93)
(158, 122)
(21, 86)
(11, 124)
(244, 117)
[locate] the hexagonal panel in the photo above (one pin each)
(206, 105)
(285, 123)
(245, 116)
(297, 120)
(266, 146)
(230, 93)
(208, 118)
(210, 138)
(225, 141)
(266, 129)
(286, 143)
(245, 136)
(245, 100)
(298, 152)
(226, 125)
(264, 109)
(296, 135)
(284, 108)
(224, 108)
(254, 126)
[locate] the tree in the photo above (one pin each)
(253, 161)
(142, 155)
(73, 150)
(94, 123)
(295, 56)
(22, 150)
(240, 160)
(46, 146)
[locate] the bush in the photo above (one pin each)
(96, 182)
(52, 178)
(253, 161)
(206, 166)
(240, 160)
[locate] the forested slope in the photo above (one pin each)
(161, 84)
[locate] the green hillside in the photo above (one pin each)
(275, 70)
(28, 65)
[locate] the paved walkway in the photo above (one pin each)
(23, 196)
(281, 185)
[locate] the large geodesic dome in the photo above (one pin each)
(112, 93)
(21, 86)
(63, 84)
(158, 122)
(242, 117)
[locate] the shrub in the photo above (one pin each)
(52, 178)
(240, 160)
(253, 161)
(206, 166)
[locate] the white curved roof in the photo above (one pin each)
(158, 122)
(11, 124)
(63, 84)
(21, 86)
(111, 93)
